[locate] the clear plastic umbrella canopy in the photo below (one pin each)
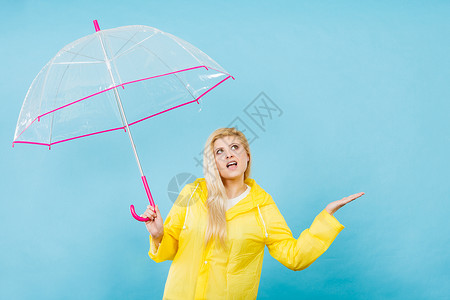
(74, 94)
(113, 79)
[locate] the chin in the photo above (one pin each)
(232, 176)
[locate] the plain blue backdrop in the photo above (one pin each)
(364, 105)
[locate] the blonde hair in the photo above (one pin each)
(217, 196)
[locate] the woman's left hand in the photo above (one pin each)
(334, 206)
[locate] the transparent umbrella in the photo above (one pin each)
(111, 80)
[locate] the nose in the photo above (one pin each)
(228, 154)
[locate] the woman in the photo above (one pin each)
(218, 227)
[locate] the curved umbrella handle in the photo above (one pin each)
(150, 199)
(136, 216)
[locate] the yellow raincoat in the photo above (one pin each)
(199, 272)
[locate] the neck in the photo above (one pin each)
(234, 187)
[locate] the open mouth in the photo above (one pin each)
(232, 165)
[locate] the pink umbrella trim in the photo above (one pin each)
(134, 81)
(118, 128)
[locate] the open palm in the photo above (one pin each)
(334, 206)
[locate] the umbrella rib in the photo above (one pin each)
(113, 129)
(40, 97)
(139, 44)
(182, 83)
(78, 62)
(116, 94)
(126, 43)
(59, 86)
(78, 54)
(119, 85)
(175, 40)
(196, 99)
(120, 79)
(50, 63)
(131, 48)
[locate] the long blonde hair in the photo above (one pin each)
(217, 196)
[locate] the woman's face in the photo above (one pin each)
(227, 150)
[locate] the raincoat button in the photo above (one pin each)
(206, 262)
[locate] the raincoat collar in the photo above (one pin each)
(256, 197)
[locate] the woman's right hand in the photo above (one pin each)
(155, 225)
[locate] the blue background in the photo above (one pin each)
(364, 92)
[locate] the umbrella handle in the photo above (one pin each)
(150, 199)
(134, 214)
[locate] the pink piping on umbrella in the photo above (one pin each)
(113, 129)
(196, 100)
(34, 143)
(122, 85)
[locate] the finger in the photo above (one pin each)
(148, 215)
(151, 212)
(158, 213)
(357, 195)
(352, 197)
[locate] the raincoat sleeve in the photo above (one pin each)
(173, 223)
(298, 254)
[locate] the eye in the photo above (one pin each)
(235, 146)
(217, 152)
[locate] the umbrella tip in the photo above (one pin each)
(97, 28)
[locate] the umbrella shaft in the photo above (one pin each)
(119, 102)
(116, 93)
(124, 120)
